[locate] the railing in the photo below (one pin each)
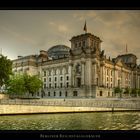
(74, 103)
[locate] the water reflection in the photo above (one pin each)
(73, 121)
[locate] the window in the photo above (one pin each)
(44, 73)
(61, 78)
(60, 93)
(66, 93)
(107, 85)
(44, 85)
(67, 77)
(49, 79)
(108, 93)
(55, 79)
(101, 93)
(111, 72)
(54, 93)
(107, 78)
(44, 79)
(49, 85)
(111, 79)
(78, 82)
(97, 81)
(48, 93)
(84, 44)
(61, 84)
(67, 84)
(75, 93)
(55, 85)
(79, 44)
(107, 71)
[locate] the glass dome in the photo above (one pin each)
(58, 51)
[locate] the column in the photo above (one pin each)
(83, 74)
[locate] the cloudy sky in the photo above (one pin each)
(24, 32)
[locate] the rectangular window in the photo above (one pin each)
(75, 93)
(55, 79)
(44, 79)
(55, 85)
(67, 77)
(54, 93)
(111, 79)
(48, 93)
(61, 84)
(107, 85)
(84, 44)
(101, 93)
(49, 85)
(44, 73)
(67, 84)
(44, 85)
(61, 78)
(60, 93)
(107, 78)
(111, 72)
(49, 79)
(66, 93)
(107, 71)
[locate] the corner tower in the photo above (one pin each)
(85, 58)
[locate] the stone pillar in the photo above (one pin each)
(132, 82)
(115, 78)
(104, 76)
(83, 74)
(123, 79)
(71, 74)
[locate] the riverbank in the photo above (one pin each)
(14, 107)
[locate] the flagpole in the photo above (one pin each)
(126, 48)
(85, 27)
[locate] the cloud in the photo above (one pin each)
(17, 35)
(60, 27)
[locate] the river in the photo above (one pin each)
(73, 121)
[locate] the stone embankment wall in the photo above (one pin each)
(67, 105)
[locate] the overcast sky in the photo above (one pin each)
(25, 32)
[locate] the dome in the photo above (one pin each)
(58, 51)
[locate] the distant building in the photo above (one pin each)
(80, 71)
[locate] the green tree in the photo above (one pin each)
(5, 70)
(127, 91)
(32, 83)
(118, 90)
(134, 92)
(16, 85)
(22, 84)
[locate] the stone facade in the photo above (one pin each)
(84, 73)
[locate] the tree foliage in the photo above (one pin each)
(117, 90)
(32, 83)
(15, 85)
(5, 69)
(127, 90)
(21, 84)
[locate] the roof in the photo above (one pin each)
(58, 51)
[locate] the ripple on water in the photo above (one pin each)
(79, 121)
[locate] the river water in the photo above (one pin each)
(73, 121)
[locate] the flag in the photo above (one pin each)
(85, 27)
